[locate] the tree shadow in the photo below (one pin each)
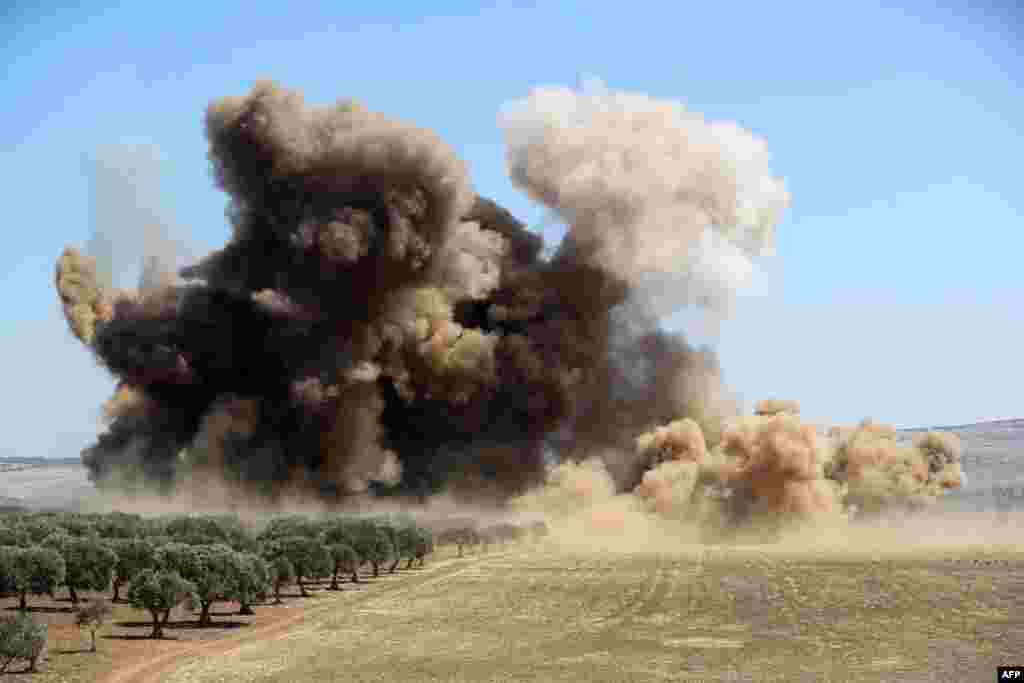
(44, 610)
(79, 651)
(139, 636)
(191, 624)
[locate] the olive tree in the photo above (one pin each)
(213, 571)
(405, 540)
(400, 532)
(133, 555)
(345, 560)
(36, 570)
(210, 530)
(308, 557)
(14, 536)
(21, 637)
(342, 531)
(158, 592)
(92, 617)
(74, 524)
(37, 528)
(7, 554)
(281, 572)
(253, 578)
(89, 563)
(459, 537)
(371, 544)
(424, 546)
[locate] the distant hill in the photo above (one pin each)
(993, 425)
(15, 460)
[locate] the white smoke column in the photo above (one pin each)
(651, 191)
(131, 216)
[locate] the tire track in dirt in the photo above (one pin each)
(153, 669)
(659, 583)
(653, 585)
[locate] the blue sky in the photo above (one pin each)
(896, 290)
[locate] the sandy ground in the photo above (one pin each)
(52, 486)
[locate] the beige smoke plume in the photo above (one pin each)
(84, 300)
(775, 406)
(778, 462)
(128, 401)
(881, 472)
(649, 189)
(679, 440)
(769, 472)
(569, 487)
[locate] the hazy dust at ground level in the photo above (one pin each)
(542, 613)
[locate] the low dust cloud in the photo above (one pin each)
(774, 484)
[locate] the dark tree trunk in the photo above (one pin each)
(73, 594)
(409, 565)
(117, 590)
(245, 609)
(204, 615)
(355, 575)
(277, 592)
(32, 665)
(93, 633)
(23, 601)
(302, 588)
(394, 566)
(158, 631)
(334, 578)
(376, 569)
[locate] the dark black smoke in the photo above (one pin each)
(374, 324)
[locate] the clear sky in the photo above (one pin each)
(898, 127)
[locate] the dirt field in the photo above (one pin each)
(50, 486)
(535, 612)
(540, 614)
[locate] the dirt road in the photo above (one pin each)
(170, 656)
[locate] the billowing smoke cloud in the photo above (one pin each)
(653, 193)
(769, 474)
(374, 326)
(879, 471)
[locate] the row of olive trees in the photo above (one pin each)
(466, 533)
(196, 560)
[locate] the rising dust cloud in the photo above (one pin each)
(376, 328)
